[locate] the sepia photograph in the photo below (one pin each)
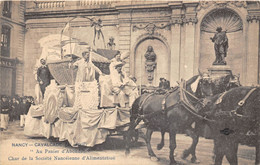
(129, 82)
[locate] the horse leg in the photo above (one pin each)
(129, 134)
(194, 134)
(219, 152)
(161, 144)
(149, 133)
(172, 146)
(127, 139)
(231, 153)
(257, 148)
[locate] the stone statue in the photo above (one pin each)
(150, 63)
(150, 55)
(221, 46)
(97, 24)
(111, 45)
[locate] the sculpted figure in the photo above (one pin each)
(221, 46)
(111, 45)
(150, 63)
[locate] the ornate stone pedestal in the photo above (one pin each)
(217, 71)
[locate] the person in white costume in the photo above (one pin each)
(115, 61)
(86, 88)
(124, 88)
(131, 90)
(118, 59)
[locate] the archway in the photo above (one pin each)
(230, 22)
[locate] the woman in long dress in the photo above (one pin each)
(86, 87)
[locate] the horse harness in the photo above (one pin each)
(163, 104)
(184, 102)
(234, 112)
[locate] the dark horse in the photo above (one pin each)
(221, 84)
(235, 119)
(173, 118)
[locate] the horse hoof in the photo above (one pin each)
(154, 159)
(173, 163)
(195, 161)
(127, 153)
(213, 158)
(185, 154)
(160, 146)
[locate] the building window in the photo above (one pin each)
(7, 9)
(5, 41)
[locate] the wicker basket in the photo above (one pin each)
(63, 72)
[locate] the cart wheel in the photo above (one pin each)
(53, 101)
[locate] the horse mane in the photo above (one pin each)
(191, 80)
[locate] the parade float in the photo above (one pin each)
(78, 120)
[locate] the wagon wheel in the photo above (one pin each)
(53, 100)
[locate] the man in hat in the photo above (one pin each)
(43, 76)
(86, 87)
(86, 69)
(5, 109)
(164, 84)
(221, 46)
(115, 61)
(161, 84)
(118, 85)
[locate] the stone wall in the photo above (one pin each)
(172, 28)
(17, 25)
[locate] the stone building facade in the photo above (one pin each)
(179, 33)
(12, 28)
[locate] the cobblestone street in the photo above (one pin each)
(14, 145)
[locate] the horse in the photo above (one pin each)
(221, 84)
(234, 117)
(165, 113)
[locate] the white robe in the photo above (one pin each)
(86, 88)
(112, 66)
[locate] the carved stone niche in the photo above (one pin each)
(225, 18)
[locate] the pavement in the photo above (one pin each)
(16, 148)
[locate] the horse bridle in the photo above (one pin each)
(185, 102)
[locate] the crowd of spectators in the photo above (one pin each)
(14, 108)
